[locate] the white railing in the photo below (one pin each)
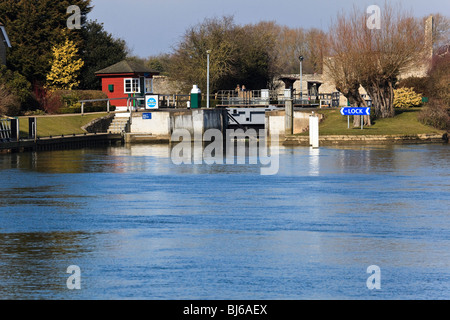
(5, 129)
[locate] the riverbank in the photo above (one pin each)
(61, 142)
(405, 123)
(326, 140)
(57, 125)
(404, 128)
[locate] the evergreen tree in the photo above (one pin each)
(34, 27)
(15, 92)
(98, 50)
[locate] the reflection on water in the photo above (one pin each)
(140, 226)
(314, 169)
(36, 262)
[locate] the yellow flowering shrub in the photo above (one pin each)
(66, 66)
(406, 98)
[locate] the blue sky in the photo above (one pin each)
(151, 27)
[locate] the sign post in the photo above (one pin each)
(347, 111)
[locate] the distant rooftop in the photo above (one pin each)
(126, 67)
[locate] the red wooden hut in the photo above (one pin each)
(126, 79)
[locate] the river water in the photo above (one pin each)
(139, 226)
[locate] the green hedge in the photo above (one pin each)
(70, 98)
(77, 109)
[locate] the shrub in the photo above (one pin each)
(70, 98)
(50, 101)
(77, 109)
(18, 90)
(436, 114)
(67, 101)
(37, 112)
(9, 104)
(406, 98)
(418, 84)
(439, 78)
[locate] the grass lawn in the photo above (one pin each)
(56, 125)
(404, 123)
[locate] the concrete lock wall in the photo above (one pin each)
(275, 122)
(162, 123)
(215, 119)
(158, 125)
(197, 121)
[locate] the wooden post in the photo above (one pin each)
(82, 108)
(32, 129)
(15, 133)
(289, 117)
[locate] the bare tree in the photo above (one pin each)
(376, 57)
(386, 53)
(341, 65)
(188, 63)
(315, 40)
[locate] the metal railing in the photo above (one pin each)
(266, 97)
(107, 102)
(248, 97)
(234, 98)
(165, 100)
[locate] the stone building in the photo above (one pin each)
(165, 85)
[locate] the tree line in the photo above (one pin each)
(251, 54)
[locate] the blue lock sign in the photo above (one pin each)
(355, 111)
(151, 102)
